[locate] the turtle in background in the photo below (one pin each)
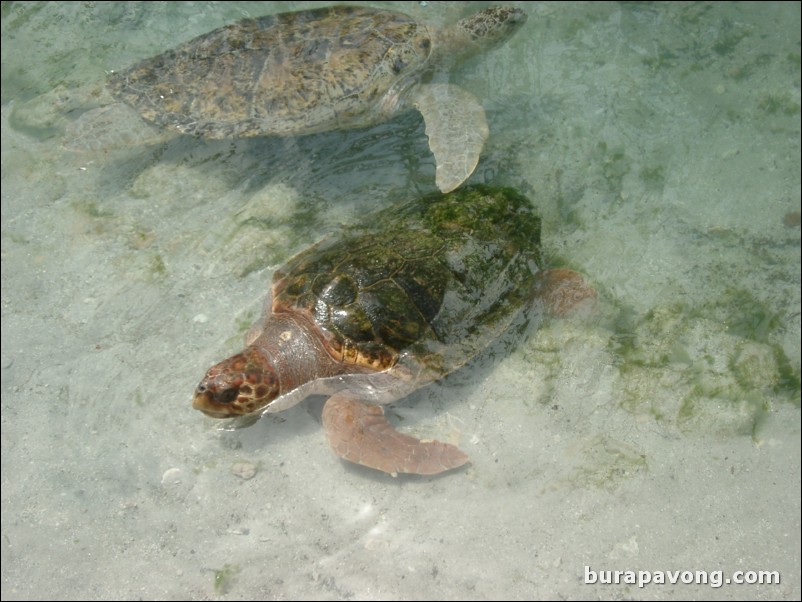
(386, 306)
(296, 73)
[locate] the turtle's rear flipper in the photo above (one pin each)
(359, 432)
(457, 130)
(111, 128)
(564, 291)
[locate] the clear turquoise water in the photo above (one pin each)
(662, 432)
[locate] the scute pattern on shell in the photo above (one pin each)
(434, 280)
(285, 74)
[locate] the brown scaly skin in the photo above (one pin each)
(286, 355)
(356, 431)
(237, 385)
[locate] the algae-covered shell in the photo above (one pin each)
(430, 282)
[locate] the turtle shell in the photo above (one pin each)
(285, 74)
(428, 284)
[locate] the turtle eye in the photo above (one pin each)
(226, 396)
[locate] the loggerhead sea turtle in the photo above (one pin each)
(311, 71)
(384, 307)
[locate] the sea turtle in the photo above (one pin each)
(383, 307)
(310, 71)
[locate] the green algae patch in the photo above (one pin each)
(224, 577)
(712, 367)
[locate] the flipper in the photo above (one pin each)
(109, 128)
(564, 291)
(457, 130)
(359, 432)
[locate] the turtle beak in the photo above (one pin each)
(204, 402)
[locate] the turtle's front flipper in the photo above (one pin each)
(457, 130)
(359, 432)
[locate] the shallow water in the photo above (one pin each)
(661, 144)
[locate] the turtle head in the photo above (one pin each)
(491, 27)
(242, 384)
